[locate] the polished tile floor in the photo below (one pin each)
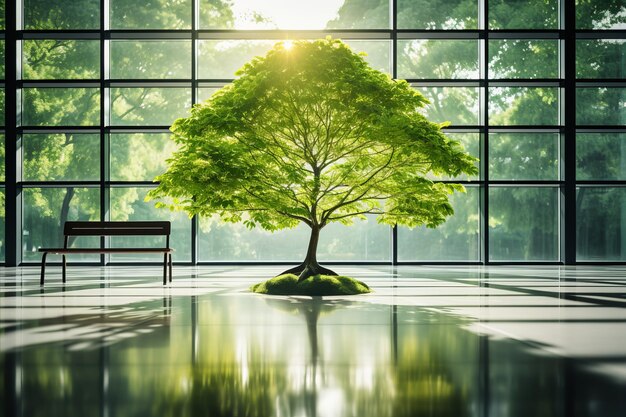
(430, 341)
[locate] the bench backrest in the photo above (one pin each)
(143, 228)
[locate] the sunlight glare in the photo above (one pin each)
(284, 14)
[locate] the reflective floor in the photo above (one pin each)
(430, 341)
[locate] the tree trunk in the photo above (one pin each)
(310, 266)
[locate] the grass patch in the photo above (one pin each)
(316, 285)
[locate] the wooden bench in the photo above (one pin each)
(145, 228)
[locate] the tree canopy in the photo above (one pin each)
(310, 133)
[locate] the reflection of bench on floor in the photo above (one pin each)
(146, 228)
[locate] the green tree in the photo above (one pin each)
(312, 134)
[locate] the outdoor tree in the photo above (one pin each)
(311, 134)
(68, 157)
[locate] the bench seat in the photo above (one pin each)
(128, 228)
(58, 251)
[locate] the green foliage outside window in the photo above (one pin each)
(134, 159)
(61, 14)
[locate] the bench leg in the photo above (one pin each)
(64, 268)
(43, 267)
(170, 256)
(164, 268)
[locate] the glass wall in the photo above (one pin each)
(601, 134)
(3, 139)
(98, 89)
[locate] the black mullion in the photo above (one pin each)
(439, 82)
(600, 82)
(279, 34)
(601, 128)
(59, 33)
(598, 33)
(568, 230)
(58, 83)
(445, 34)
(493, 32)
(133, 183)
(140, 34)
(607, 183)
(57, 129)
(13, 220)
(394, 75)
(194, 87)
(496, 82)
(139, 83)
(53, 184)
(526, 183)
(137, 129)
(484, 156)
(530, 34)
(104, 137)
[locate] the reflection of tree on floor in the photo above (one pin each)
(441, 369)
(306, 402)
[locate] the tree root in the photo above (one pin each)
(304, 271)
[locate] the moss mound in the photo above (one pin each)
(316, 285)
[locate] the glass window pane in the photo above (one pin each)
(148, 106)
(218, 15)
(455, 240)
(601, 217)
(2, 107)
(61, 106)
(218, 241)
(150, 59)
(523, 106)
(601, 156)
(61, 157)
(438, 59)
(45, 212)
(359, 14)
(524, 223)
(523, 14)
(60, 59)
(437, 14)
(303, 15)
(600, 14)
(150, 14)
(600, 106)
(378, 53)
(2, 225)
(2, 159)
(2, 74)
(139, 156)
(61, 14)
(457, 105)
(221, 59)
(523, 58)
(604, 58)
(524, 156)
(127, 204)
(363, 241)
(205, 93)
